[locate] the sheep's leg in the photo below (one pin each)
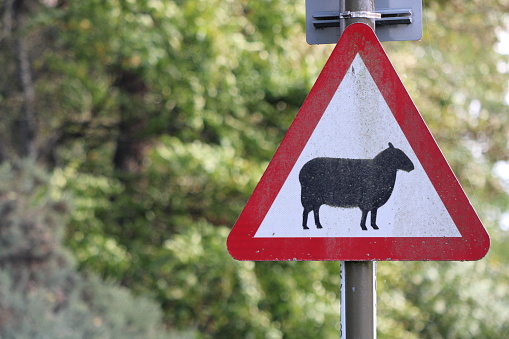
(317, 217)
(373, 218)
(305, 219)
(363, 220)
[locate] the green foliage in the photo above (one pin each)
(90, 198)
(41, 293)
(205, 70)
(442, 300)
(74, 309)
(224, 298)
(156, 118)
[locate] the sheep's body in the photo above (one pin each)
(348, 183)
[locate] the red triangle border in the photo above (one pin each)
(474, 241)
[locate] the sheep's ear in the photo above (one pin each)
(390, 145)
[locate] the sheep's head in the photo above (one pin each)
(394, 158)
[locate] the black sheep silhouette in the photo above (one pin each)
(363, 183)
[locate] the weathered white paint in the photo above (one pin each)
(358, 124)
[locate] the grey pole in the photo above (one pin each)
(356, 6)
(358, 278)
(358, 300)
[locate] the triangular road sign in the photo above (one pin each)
(358, 175)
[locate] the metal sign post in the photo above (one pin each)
(358, 278)
(358, 299)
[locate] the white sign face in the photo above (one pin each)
(358, 124)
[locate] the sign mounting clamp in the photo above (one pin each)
(395, 20)
(383, 17)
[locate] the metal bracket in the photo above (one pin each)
(359, 14)
(398, 20)
(383, 17)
